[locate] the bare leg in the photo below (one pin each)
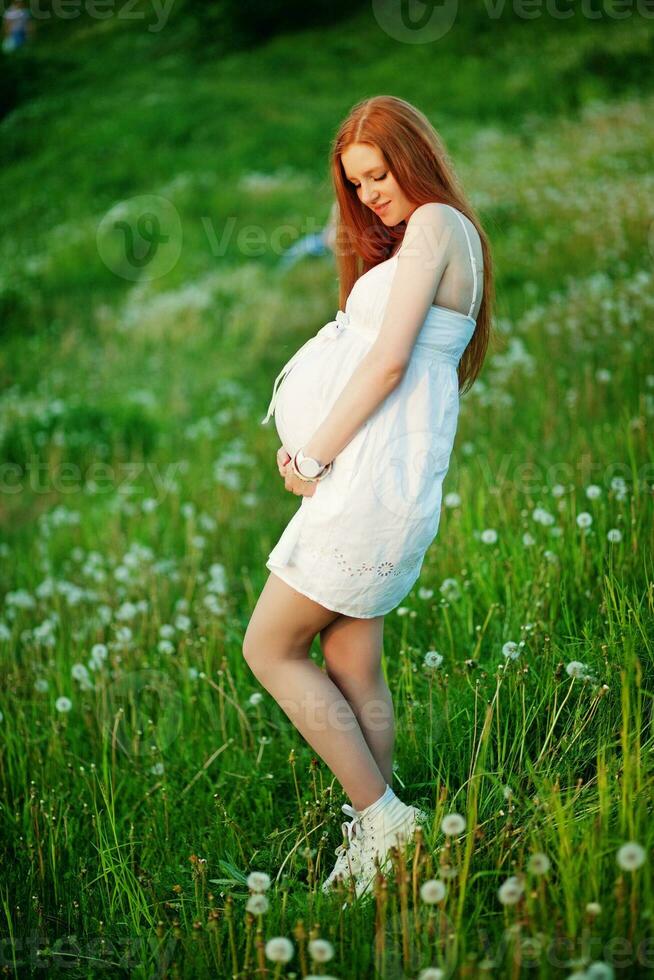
(352, 649)
(276, 647)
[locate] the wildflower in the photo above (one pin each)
(63, 704)
(126, 611)
(402, 610)
(165, 646)
(511, 650)
(433, 659)
(558, 490)
(538, 863)
(425, 593)
(99, 653)
(433, 891)
(593, 908)
(593, 491)
(279, 949)
(542, 516)
(584, 519)
(489, 536)
(255, 698)
(449, 588)
(510, 891)
(258, 881)
(453, 824)
(41, 684)
(614, 535)
(528, 539)
(183, 623)
(452, 500)
(166, 631)
(321, 950)
(431, 973)
(599, 970)
(576, 669)
(257, 904)
(631, 856)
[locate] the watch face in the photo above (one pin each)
(309, 467)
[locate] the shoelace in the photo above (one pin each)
(350, 854)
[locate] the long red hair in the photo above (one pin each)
(419, 162)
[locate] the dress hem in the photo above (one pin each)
(277, 570)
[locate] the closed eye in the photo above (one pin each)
(383, 177)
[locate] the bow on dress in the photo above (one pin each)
(332, 329)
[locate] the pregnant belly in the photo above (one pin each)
(300, 406)
(309, 390)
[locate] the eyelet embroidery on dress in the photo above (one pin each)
(384, 569)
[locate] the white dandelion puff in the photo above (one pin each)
(257, 904)
(433, 659)
(584, 519)
(433, 891)
(258, 881)
(510, 891)
(489, 535)
(614, 535)
(538, 863)
(593, 491)
(631, 856)
(63, 704)
(321, 950)
(511, 650)
(599, 970)
(450, 589)
(453, 824)
(279, 949)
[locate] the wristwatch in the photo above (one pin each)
(308, 466)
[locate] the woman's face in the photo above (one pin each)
(376, 187)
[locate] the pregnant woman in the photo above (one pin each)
(366, 411)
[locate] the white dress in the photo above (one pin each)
(356, 546)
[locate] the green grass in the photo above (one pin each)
(134, 464)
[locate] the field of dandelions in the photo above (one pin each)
(160, 815)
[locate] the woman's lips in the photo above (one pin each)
(383, 207)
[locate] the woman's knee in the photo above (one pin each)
(352, 651)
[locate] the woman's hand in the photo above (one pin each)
(292, 482)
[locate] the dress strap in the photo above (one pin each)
(473, 261)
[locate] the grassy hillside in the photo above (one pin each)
(141, 499)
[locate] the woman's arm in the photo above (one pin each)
(420, 266)
(369, 385)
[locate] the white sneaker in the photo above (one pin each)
(348, 862)
(380, 833)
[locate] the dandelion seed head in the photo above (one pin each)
(631, 856)
(433, 891)
(279, 949)
(321, 950)
(453, 824)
